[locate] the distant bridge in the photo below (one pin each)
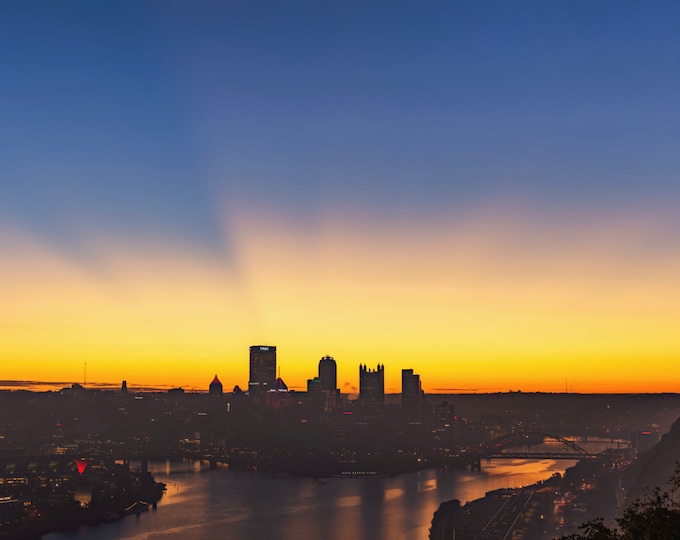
(496, 448)
(541, 455)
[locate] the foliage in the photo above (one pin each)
(653, 517)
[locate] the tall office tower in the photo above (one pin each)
(444, 423)
(262, 369)
(411, 394)
(372, 384)
(411, 390)
(444, 415)
(328, 373)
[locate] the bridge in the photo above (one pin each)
(499, 448)
(541, 455)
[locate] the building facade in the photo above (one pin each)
(372, 385)
(262, 369)
(412, 397)
(215, 388)
(328, 373)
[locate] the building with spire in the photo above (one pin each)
(215, 387)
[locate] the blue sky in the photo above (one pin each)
(138, 114)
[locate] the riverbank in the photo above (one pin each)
(102, 495)
(503, 513)
(540, 511)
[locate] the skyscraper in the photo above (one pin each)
(262, 369)
(410, 388)
(372, 384)
(411, 394)
(328, 373)
(328, 382)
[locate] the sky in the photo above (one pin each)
(484, 191)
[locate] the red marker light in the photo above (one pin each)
(81, 466)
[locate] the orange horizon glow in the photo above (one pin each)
(496, 300)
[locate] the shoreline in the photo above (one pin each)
(141, 492)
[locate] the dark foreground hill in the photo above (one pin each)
(654, 467)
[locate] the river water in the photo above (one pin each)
(223, 504)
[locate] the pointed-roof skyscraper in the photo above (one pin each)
(215, 387)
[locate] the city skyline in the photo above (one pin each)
(486, 193)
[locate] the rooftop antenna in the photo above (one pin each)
(85, 374)
(279, 372)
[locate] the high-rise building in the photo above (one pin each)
(444, 415)
(411, 394)
(372, 384)
(262, 369)
(328, 373)
(215, 388)
(411, 391)
(444, 423)
(314, 388)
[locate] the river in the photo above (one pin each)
(205, 504)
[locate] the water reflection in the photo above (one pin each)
(228, 504)
(346, 502)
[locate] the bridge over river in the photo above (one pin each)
(540, 445)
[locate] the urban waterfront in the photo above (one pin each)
(201, 503)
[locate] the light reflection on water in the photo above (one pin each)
(201, 504)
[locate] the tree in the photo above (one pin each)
(655, 516)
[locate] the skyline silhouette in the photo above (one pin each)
(487, 193)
